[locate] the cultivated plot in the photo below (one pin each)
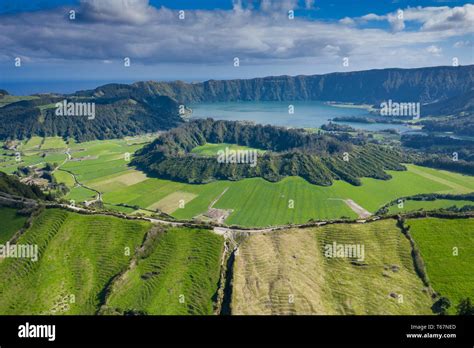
(291, 272)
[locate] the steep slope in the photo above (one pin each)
(177, 273)
(462, 104)
(114, 117)
(77, 257)
(422, 85)
(11, 185)
(290, 272)
(318, 158)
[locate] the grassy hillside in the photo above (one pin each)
(11, 222)
(449, 275)
(126, 115)
(288, 273)
(78, 256)
(179, 276)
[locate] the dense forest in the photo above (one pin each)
(460, 125)
(459, 105)
(114, 117)
(318, 158)
(442, 152)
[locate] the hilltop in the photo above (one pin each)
(318, 158)
(114, 117)
(424, 85)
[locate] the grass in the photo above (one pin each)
(173, 201)
(257, 202)
(78, 256)
(157, 190)
(11, 223)
(254, 202)
(8, 99)
(184, 264)
(210, 149)
(410, 205)
(54, 143)
(65, 178)
(450, 275)
(34, 143)
(287, 272)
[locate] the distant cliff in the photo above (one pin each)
(424, 85)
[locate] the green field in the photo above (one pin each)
(8, 99)
(65, 178)
(10, 223)
(257, 202)
(36, 151)
(180, 276)
(34, 143)
(288, 272)
(102, 165)
(78, 257)
(450, 275)
(212, 149)
(411, 205)
(54, 143)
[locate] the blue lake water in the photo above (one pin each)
(307, 114)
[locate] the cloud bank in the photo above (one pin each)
(110, 30)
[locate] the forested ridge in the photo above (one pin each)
(115, 117)
(318, 158)
(11, 185)
(424, 85)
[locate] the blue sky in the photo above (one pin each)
(326, 9)
(365, 34)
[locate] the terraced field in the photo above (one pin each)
(177, 270)
(78, 256)
(11, 222)
(289, 272)
(451, 275)
(180, 276)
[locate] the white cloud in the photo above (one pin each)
(461, 44)
(109, 30)
(347, 21)
(434, 50)
(119, 11)
(451, 19)
(456, 19)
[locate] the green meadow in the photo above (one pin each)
(257, 202)
(179, 276)
(78, 255)
(447, 248)
(273, 267)
(11, 222)
(410, 205)
(104, 166)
